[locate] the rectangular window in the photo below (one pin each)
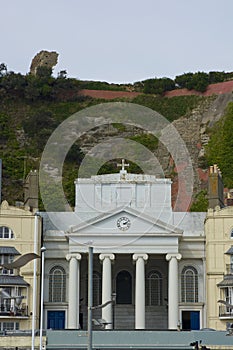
(9, 326)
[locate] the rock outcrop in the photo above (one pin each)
(44, 58)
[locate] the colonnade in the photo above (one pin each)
(140, 260)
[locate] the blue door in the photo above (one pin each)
(56, 320)
(195, 320)
(190, 320)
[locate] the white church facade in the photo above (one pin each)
(148, 260)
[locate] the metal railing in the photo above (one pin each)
(225, 311)
(8, 310)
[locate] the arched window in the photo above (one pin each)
(57, 284)
(6, 232)
(97, 289)
(154, 288)
(124, 288)
(189, 285)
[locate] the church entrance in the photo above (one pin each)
(124, 287)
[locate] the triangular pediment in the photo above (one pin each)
(124, 220)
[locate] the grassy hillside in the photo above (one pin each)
(32, 107)
(220, 147)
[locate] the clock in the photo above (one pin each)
(123, 223)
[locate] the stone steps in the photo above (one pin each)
(124, 317)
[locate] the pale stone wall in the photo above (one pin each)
(22, 222)
(218, 226)
(21, 342)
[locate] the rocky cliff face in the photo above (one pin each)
(193, 128)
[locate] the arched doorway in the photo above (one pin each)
(124, 287)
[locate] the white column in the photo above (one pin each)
(74, 287)
(107, 288)
(140, 291)
(173, 289)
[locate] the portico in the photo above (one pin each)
(140, 254)
(138, 288)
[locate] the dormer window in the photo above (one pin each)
(6, 232)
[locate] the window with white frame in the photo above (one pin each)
(229, 295)
(189, 285)
(6, 232)
(6, 259)
(154, 288)
(9, 326)
(57, 284)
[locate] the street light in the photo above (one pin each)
(90, 296)
(113, 309)
(43, 249)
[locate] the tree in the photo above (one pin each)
(62, 74)
(183, 80)
(216, 77)
(3, 69)
(197, 81)
(158, 86)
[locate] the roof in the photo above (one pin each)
(9, 250)
(230, 251)
(226, 282)
(6, 280)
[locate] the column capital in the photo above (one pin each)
(170, 256)
(77, 256)
(106, 255)
(136, 256)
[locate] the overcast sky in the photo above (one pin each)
(119, 41)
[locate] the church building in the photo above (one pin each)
(149, 261)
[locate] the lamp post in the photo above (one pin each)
(34, 281)
(43, 249)
(90, 296)
(113, 309)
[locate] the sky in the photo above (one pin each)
(121, 41)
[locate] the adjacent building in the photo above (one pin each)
(219, 255)
(20, 233)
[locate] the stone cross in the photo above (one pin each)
(123, 165)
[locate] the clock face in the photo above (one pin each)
(123, 223)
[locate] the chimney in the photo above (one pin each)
(215, 187)
(31, 189)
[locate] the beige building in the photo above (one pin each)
(19, 234)
(219, 257)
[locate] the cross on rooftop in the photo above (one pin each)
(123, 165)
